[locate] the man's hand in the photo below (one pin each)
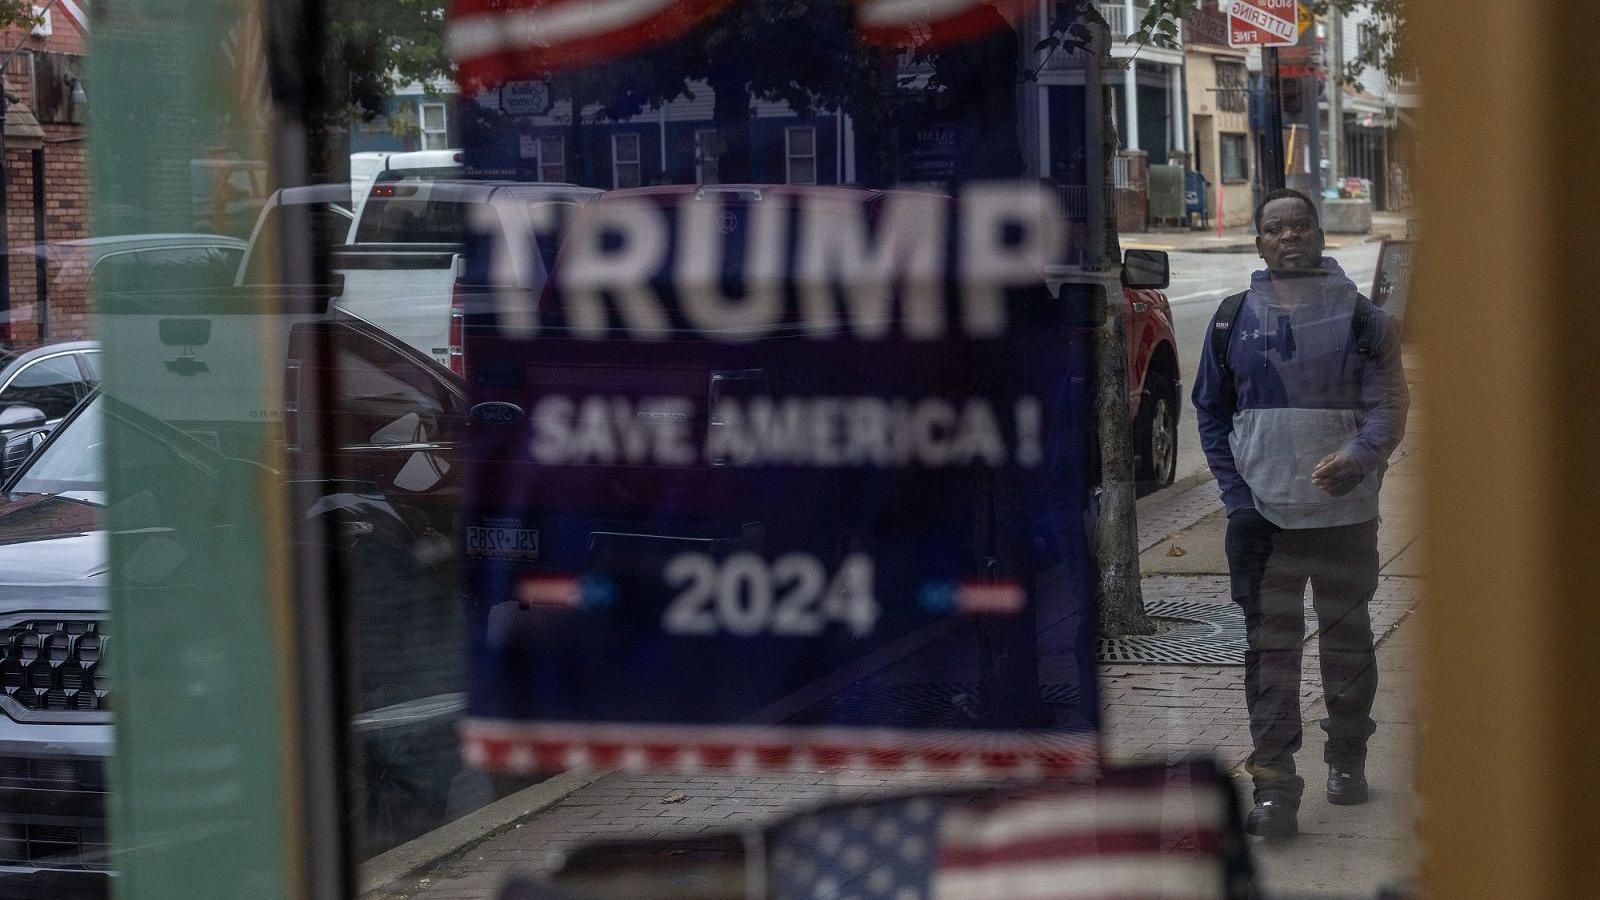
(1338, 473)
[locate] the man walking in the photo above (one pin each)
(1301, 399)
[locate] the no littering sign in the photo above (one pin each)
(1262, 23)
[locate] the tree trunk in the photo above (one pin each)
(730, 111)
(575, 135)
(870, 110)
(1117, 535)
(1121, 601)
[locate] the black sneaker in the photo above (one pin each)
(1273, 819)
(1347, 786)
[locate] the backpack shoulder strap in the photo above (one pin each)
(1361, 325)
(1222, 328)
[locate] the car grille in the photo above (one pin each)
(53, 813)
(54, 665)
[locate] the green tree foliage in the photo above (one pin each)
(804, 53)
(19, 13)
(377, 45)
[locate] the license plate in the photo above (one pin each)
(503, 543)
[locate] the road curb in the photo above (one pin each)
(384, 871)
(1154, 505)
(1223, 248)
(1178, 486)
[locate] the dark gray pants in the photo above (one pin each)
(1269, 569)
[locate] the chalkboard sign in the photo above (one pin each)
(1391, 286)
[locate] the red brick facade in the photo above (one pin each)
(65, 204)
(66, 216)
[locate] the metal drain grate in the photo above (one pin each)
(1195, 634)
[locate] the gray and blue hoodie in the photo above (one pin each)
(1297, 389)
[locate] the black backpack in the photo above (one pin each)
(1228, 312)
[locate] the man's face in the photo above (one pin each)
(1290, 240)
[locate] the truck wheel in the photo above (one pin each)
(1157, 432)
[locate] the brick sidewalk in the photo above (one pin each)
(1155, 712)
(1148, 711)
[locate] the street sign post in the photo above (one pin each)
(1268, 24)
(1263, 23)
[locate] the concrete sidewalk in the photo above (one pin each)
(1355, 851)
(1148, 712)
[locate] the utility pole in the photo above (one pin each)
(5, 217)
(1335, 67)
(1272, 161)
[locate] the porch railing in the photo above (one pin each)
(1122, 26)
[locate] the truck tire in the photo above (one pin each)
(1156, 430)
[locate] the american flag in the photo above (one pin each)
(1148, 832)
(933, 22)
(496, 40)
(77, 11)
(245, 48)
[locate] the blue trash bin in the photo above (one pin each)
(1197, 200)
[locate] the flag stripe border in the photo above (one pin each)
(517, 747)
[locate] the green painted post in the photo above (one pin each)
(205, 781)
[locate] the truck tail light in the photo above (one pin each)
(292, 387)
(457, 341)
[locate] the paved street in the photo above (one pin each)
(1149, 711)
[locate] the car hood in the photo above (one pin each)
(50, 540)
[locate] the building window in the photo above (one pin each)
(1235, 157)
(625, 168)
(707, 148)
(431, 123)
(1367, 37)
(1233, 87)
(801, 150)
(552, 158)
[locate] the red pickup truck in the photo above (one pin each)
(1154, 386)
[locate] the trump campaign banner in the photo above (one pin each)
(775, 462)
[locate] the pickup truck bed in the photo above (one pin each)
(403, 289)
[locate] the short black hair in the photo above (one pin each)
(1287, 194)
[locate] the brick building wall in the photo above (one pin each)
(66, 216)
(65, 211)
